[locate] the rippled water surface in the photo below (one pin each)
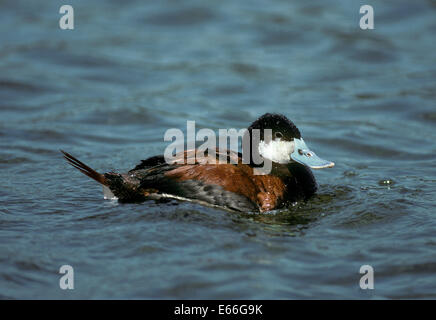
(109, 89)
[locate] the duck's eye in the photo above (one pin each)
(278, 135)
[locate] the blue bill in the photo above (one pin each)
(302, 154)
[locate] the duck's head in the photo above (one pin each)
(284, 145)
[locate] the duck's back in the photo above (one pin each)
(231, 185)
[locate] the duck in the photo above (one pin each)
(237, 185)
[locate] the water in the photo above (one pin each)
(108, 90)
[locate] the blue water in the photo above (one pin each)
(108, 90)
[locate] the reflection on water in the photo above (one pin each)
(108, 90)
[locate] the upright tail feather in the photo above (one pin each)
(85, 169)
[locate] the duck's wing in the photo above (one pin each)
(195, 176)
(160, 177)
(206, 184)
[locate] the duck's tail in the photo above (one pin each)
(85, 169)
(115, 185)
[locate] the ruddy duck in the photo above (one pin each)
(234, 185)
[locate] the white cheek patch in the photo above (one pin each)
(276, 150)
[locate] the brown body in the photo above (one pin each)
(266, 191)
(233, 185)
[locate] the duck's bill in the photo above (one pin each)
(302, 154)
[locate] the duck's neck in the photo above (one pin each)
(302, 178)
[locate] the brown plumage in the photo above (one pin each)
(267, 191)
(264, 192)
(202, 178)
